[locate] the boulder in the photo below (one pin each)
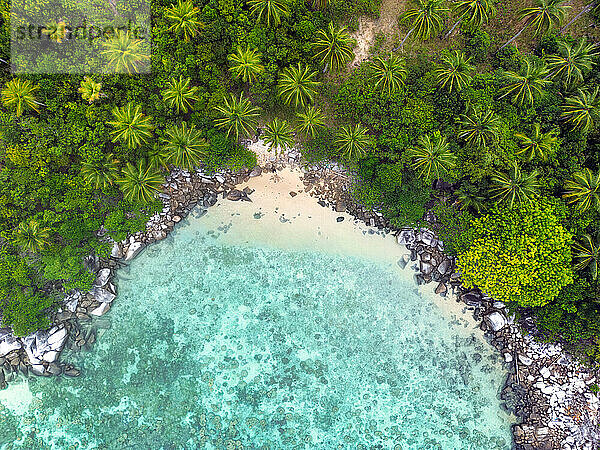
(102, 295)
(101, 310)
(402, 262)
(427, 238)
(235, 195)
(444, 266)
(525, 360)
(441, 289)
(117, 251)
(496, 321)
(50, 356)
(545, 372)
(57, 339)
(134, 249)
(71, 301)
(256, 172)
(103, 277)
(8, 344)
(406, 237)
(426, 268)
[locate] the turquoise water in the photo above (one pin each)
(216, 346)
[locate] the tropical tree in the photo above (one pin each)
(297, 86)
(310, 120)
(158, 157)
(131, 126)
(279, 135)
(56, 31)
(582, 111)
(184, 16)
(184, 146)
(528, 84)
(480, 128)
(389, 73)
(125, 53)
(432, 156)
(542, 17)
(245, 64)
(584, 190)
(19, 95)
(31, 237)
(474, 12)
(90, 90)
(426, 19)
(238, 116)
(179, 95)
(140, 183)
(454, 72)
(319, 4)
(333, 47)
(352, 141)
(515, 187)
(587, 254)
(573, 61)
(100, 173)
(537, 145)
(270, 11)
(469, 197)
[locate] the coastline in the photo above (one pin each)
(538, 428)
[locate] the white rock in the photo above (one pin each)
(545, 372)
(508, 357)
(102, 295)
(8, 345)
(37, 369)
(57, 339)
(525, 360)
(496, 320)
(133, 250)
(50, 356)
(71, 301)
(117, 251)
(103, 276)
(406, 237)
(101, 310)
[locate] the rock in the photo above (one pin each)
(508, 357)
(340, 219)
(102, 295)
(256, 172)
(54, 369)
(72, 372)
(471, 299)
(133, 250)
(235, 195)
(71, 302)
(444, 266)
(340, 206)
(406, 237)
(50, 356)
(496, 321)
(176, 219)
(441, 288)
(428, 238)
(402, 262)
(426, 268)
(117, 251)
(3, 384)
(103, 277)
(8, 344)
(525, 360)
(248, 190)
(499, 305)
(545, 372)
(101, 310)
(57, 339)
(293, 194)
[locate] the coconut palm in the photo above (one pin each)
(179, 95)
(584, 190)
(125, 53)
(582, 111)
(184, 146)
(19, 95)
(515, 186)
(140, 183)
(454, 72)
(389, 73)
(469, 197)
(537, 145)
(310, 120)
(238, 116)
(426, 19)
(297, 86)
(245, 64)
(527, 85)
(479, 128)
(30, 236)
(90, 90)
(352, 141)
(432, 156)
(279, 135)
(473, 12)
(270, 11)
(56, 31)
(542, 17)
(333, 47)
(100, 173)
(573, 61)
(587, 254)
(131, 126)
(184, 16)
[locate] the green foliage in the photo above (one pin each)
(538, 145)
(18, 95)
(179, 95)
(572, 62)
(140, 183)
(454, 72)
(31, 237)
(25, 313)
(90, 90)
(584, 190)
(131, 126)
(389, 74)
(475, 12)
(426, 18)
(238, 116)
(333, 47)
(184, 146)
(528, 84)
(224, 153)
(544, 15)
(515, 187)
(125, 53)
(582, 111)
(454, 228)
(297, 86)
(311, 120)
(270, 11)
(432, 157)
(184, 19)
(352, 141)
(480, 128)
(246, 64)
(279, 135)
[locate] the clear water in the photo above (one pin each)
(224, 347)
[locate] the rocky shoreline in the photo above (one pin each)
(546, 389)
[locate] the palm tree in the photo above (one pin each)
(515, 186)
(184, 17)
(474, 12)
(573, 61)
(587, 254)
(179, 95)
(158, 157)
(140, 183)
(334, 47)
(586, 9)
(584, 190)
(245, 64)
(31, 237)
(538, 145)
(480, 128)
(469, 197)
(582, 111)
(389, 74)
(90, 90)
(454, 71)
(270, 11)
(352, 141)
(279, 135)
(18, 95)
(56, 31)
(542, 17)
(184, 147)
(297, 86)
(432, 156)
(100, 173)
(528, 84)
(125, 53)
(131, 126)
(426, 20)
(238, 116)
(310, 120)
